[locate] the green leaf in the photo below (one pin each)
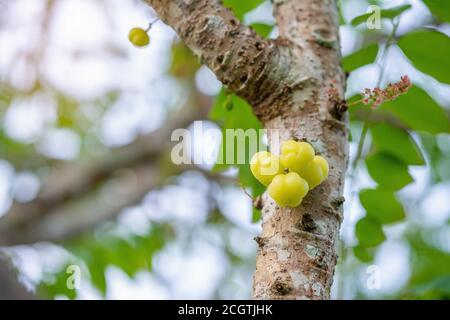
(98, 278)
(435, 289)
(184, 63)
(429, 51)
(397, 142)
(369, 232)
(247, 180)
(388, 171)
(428, 262)
(381, 205)
(340, 13)
(241, 7)
(440, 8)
(360, 58)
(363, 254)
(419, 112)
(256, 216)
(262, 29)
(390, 13)
(240, 116)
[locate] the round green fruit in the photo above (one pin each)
(139, 37)
(316, 172)
(288, 190)
(265, 166)
(296, 155)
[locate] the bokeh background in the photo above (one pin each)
(85, 171)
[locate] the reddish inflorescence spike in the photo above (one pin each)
(376, 96)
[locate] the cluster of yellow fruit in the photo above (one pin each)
(290, 176)
(139, 37)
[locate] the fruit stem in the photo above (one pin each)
(245, 190)
(151, 24)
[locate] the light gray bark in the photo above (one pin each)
(287, 81)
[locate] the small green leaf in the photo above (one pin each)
(397, 142)
(256, 216)
(98, 277)
(369, 232)
(381, 205)
(419, 112)
(240, 116)
(240, 7)
(262, 29)
(440, 8)
(360, 58)
(390, 13)
(363, 254)
(388, 171)
(429, 51)
(340, 13)
(247, 180)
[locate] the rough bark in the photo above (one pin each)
(287, 82)
(297, 246)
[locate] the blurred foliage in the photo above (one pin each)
(418, 111)
(412, 130)
(131, 253)
(240, 8)
(418, 45)
(389, 14)
(440, 9)
(360, 58)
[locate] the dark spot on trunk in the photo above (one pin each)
(260, 241)
(337, 202)
(307, 223)
(338, 109)
(282, 285)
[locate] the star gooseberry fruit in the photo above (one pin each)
(296, 155)
(288, 190)
(265, 166)
(139, 37)
(316, 171)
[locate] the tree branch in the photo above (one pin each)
(77, 180)
(252, 67)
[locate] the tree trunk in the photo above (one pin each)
(288, 83)
(297, 252)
